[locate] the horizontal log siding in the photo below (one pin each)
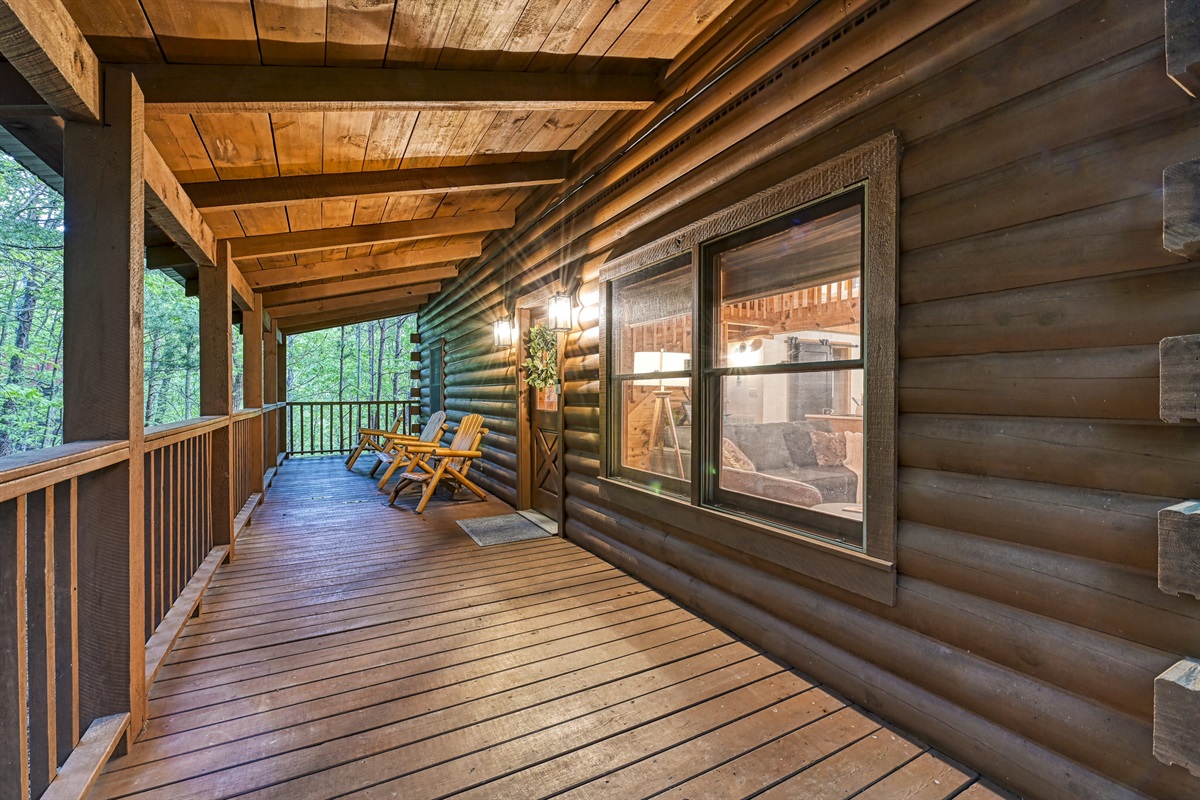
(1034, 288)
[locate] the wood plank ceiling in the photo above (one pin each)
(573, 37)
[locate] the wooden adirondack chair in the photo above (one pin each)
(373, 439)
(445, 463)
(396, 452)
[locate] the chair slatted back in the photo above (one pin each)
(433, 428)
(467, 437)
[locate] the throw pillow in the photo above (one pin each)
(734, 458)
(829, 447)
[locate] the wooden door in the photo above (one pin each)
(540, 470)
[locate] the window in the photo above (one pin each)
(783, 371)
(651, 376)
(749, 368)
(437, 376)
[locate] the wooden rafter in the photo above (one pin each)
(174, 212)
(195, 89)
(277, 244)
(400, 295)
(359, 285)
(368, 265)
(227, 195)
(334, 319)
(42, 41)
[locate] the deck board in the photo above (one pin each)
(357, 650)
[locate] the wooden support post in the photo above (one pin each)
(271, 394)
(1179, 378)
(1177, 715)
(103, 395)
(252, 385)
(1183, 44)
(1179, 549)
(1181, 208)
(281, 387)
(216, 384)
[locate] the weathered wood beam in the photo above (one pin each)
(358, 285)
(389, 308)
(216, 384)
(228, 195)
(17, 97)
(348, 267)
(352, 302)
(1179, 549)
(42, 41)
(1181, 208)
(1179, 378)
(1183, 44)
(1176, 715)
(103, 247)
(278, 244)
(170, 207)
(252, 387)
(324, 321)
(193, 89)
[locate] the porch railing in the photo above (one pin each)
(61, 664)
(247, 473)
(48, 619)
(179, 534)
(327, 428)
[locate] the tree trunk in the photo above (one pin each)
(16, 365)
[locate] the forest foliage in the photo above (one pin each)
(360, 362)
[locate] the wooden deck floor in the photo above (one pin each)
(355, 650)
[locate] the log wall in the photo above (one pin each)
(1034, 289)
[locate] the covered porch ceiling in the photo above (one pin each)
(354, 153)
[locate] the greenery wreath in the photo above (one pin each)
(541, 367)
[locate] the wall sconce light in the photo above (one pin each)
(559, 312)
(504, 332)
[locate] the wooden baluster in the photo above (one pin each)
(14, 680)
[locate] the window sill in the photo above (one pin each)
(846, 569)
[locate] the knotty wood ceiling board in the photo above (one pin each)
(543, 35)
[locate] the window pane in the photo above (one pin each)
(652, 320)
(655, 442)
(794, 295)
(795, 439)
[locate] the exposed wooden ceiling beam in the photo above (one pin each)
(42, 41)
(324, 321)
(194, 89)
(400, 296)
(278, 244)
(227, 195)
(18, 99)
(358, 285)
(170, 207)
(348, 267)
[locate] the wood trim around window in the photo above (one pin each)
(870, 571)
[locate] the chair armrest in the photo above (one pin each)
(448, 453)
(402, 437)
(373, 432)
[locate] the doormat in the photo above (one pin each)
(503, 529)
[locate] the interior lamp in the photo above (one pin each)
(559, 312)
(504, 332)
(660, 361)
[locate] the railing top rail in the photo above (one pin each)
(160, 436)
(348, 402)
(247, 413)
(22, 473)
(274, 406)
